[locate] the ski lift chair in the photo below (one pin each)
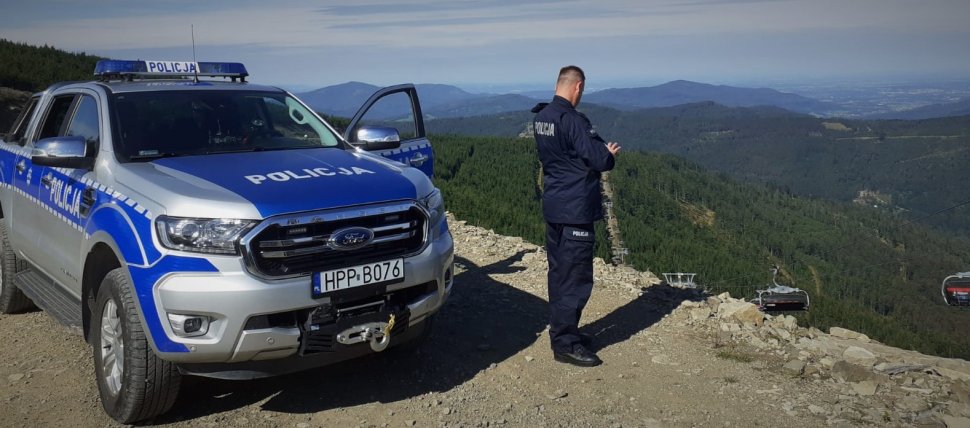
(956, 289)
(780, 298)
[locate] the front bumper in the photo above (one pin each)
(252, 319)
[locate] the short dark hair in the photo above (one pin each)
(570, 72)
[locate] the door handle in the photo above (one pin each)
(418, 159)
(46, 180)
(87, 201)
(21, 166)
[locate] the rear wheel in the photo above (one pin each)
(133, 382)
(12, 300)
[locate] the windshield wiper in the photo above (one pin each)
(159, 155)
(259, 149)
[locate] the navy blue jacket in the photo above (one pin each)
(573, 155)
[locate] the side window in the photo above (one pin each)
(86, 123)
(54, 121)
(394, 111)
(19, 128)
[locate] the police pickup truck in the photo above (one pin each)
(214, 227)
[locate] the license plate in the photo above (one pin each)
(357, 276)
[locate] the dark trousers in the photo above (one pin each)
(570, 252)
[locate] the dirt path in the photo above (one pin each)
(487, 364)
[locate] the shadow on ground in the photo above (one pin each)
(639, 314)
(484, 322)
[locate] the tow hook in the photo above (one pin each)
(377, 333)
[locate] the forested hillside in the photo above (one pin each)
(865, 269)
(33, 68)
(910, 167)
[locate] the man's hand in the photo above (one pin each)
(613, 147)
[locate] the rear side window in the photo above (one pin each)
(56, 116)
(85, 122)
(19, 128)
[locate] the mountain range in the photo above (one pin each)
(445, 101)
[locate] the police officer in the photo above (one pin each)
(572, 156)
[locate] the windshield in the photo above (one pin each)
(180, 123)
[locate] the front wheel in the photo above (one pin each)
(133, 382)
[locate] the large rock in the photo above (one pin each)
(742, 311)
(960, 391)
(848, 372)
(794, 367)
(911, 404)
(848, 334)
(860, 356)
(865, 388)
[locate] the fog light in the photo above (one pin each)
(189, 325)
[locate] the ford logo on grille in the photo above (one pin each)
(350, 238)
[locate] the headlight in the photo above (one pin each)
(435, 205)
(201, 235)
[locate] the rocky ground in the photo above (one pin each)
(673, 357)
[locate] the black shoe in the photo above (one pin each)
(579, 357)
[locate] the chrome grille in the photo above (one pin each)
(294, 245)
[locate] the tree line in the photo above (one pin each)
(34, 68)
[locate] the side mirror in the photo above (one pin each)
(377, 138)
(63, 152)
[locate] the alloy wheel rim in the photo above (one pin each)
(112, 348)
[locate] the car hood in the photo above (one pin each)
(268, 183)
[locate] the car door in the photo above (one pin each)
(61, 192)
(30, 212)
(397, 107)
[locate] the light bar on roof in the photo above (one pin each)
(114, 67)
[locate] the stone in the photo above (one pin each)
(700, 314)
(781, 334)
(956, 421)
(848, 334)
(911, 404)
(15, 377)
(790, 323)
(865, 388)
(557, 395)
(860, 356)
(960, 392)
(847, 372)
(794, 367)
(742, 311)
(827, 362)
(816, 409)
(529, 358)
(810, 370)
(952, 374)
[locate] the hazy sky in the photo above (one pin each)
(617, 42)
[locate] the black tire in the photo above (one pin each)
(144, 386)
(12, 300)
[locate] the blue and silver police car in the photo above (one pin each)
(188, 222)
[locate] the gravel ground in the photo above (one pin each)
(487, 364)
